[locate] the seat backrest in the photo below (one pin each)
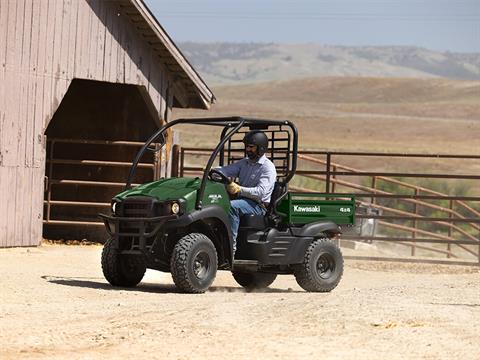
(279, 191)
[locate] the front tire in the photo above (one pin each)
(254, 280)
(194, 263)
(121, 269)
(322, 267)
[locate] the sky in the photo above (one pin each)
(443, 25)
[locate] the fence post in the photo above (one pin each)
(182, 161)
(175, 160)
(478, 247)
(374, 187)
(157, 161)
(450, 215)
(327, 180)
(415, 222)
(334, 183)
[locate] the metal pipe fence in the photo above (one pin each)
(51, 182)
(427, 222)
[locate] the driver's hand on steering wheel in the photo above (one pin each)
(233, 188)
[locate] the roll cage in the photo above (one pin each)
(286, 162)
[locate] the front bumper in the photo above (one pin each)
(139, 232)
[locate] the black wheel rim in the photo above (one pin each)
(201, 265)
(325, 265)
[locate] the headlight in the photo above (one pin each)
(175, 208)
(114, 205)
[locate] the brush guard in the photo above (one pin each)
(139, 231)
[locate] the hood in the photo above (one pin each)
(164, 189)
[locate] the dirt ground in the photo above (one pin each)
(55, 304)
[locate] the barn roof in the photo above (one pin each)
(198, 95)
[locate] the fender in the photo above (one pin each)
(316, 228)
(211, 211)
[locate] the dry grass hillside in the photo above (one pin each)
(356, 113)
(234, 63)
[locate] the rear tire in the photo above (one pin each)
(194, 263)
(322, 267)
(254, 280)
(122, 270)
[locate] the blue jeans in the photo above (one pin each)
(238, 208)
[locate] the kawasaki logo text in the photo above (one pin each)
(298, 208)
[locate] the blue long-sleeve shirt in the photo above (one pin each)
(256, 178)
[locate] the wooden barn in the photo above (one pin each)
(82, 84)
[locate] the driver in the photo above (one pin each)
(256, 176)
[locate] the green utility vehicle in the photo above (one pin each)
(181, 225)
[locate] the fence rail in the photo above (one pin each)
(427, 222)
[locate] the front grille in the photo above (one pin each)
(137, 207)
(136, 210)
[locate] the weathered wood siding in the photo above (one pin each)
(43, 46)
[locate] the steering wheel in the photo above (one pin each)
(217, 176)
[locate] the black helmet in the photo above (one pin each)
(257, 137)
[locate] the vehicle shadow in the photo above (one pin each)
(92, 283)
(258, 291)
(456, 304)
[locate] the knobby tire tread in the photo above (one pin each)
(304, 273)
(179, 262)
(112, 269)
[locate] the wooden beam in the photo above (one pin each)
(205, 93)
